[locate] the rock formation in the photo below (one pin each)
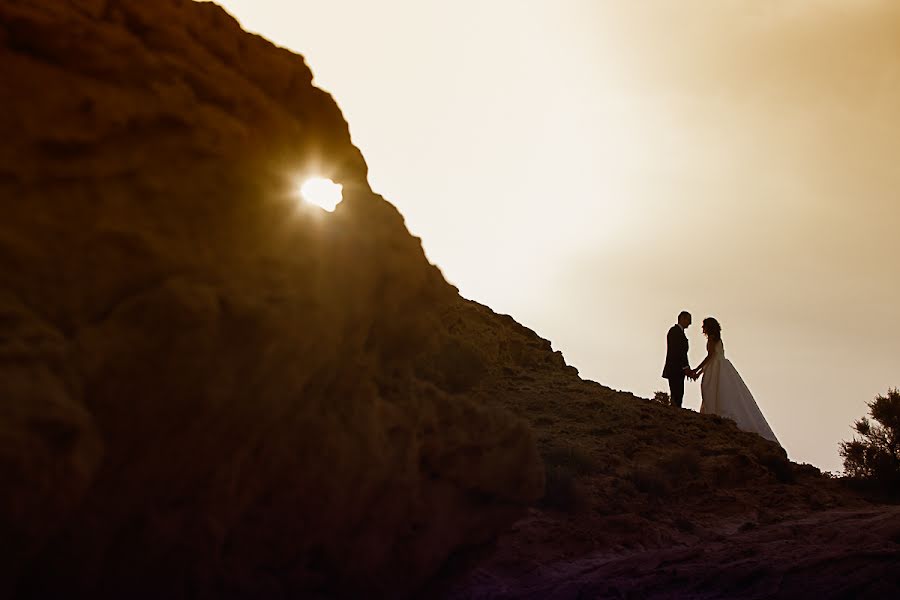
(210, 390)
(207, 388)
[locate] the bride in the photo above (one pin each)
(723, 391)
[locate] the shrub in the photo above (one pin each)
(662, 398)
(875, 454)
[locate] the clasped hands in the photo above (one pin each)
(691, 374)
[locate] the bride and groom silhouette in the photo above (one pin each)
(723, 391)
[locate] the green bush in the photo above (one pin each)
(874, 455)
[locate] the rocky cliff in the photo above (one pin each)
(209, 389)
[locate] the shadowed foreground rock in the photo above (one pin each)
(827, 554)
(207, 389)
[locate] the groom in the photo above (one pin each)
(677, 365)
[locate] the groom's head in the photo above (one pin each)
(684, 319)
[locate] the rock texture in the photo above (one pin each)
(208, 390)
(827, 554)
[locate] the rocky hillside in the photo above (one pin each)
(208, 389)
(211, 390)
(647, 501)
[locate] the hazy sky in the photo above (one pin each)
(592, 168)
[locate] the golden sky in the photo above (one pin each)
(592, 168)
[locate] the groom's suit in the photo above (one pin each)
(676, 363)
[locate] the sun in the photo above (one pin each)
(322, 192)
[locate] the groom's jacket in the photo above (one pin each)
(676, 353)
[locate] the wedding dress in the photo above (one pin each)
(725, 394)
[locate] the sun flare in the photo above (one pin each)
(322, 192)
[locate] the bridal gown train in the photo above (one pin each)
(724, 393)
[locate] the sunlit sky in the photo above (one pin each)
(592, 168)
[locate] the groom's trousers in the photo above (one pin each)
(676, 390)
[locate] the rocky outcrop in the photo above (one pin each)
(208, 389)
